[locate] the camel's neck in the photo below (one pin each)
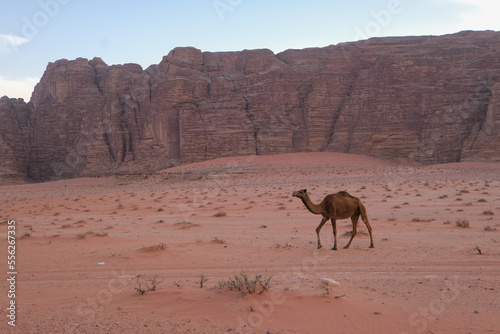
(316, 209)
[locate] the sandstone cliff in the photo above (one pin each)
(425, 99)
(14, 138)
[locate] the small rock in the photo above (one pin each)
(476, 311)
(377, 313)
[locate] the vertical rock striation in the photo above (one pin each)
(426, 99)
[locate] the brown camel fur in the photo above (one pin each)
(337, 206)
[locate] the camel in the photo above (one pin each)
(337, 206)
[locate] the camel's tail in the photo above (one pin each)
(362, 211)
(364, 217)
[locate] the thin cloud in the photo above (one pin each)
(10, 43)
(18, 88)
(479, 14)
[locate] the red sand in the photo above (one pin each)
(82, 243)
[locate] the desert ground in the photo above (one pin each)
(86, 249)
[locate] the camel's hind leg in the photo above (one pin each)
(334, 225)
(367, 223)
(318, 229)
(354, 220)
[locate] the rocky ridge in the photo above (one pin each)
(426, 99)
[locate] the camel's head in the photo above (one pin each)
(300, 193)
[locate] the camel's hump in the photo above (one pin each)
(345, 194)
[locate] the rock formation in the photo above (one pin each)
(14, 139)
(425, 99)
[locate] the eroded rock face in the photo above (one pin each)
(14, 139)
(425, 99)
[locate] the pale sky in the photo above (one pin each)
(36, 32)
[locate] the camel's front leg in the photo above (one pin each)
(334, 225)
(323, 221)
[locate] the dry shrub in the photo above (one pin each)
(245, 285)
(462, 223)
(82, 235)
(160, 246)
(147, 284)
(220, 214)
(218, 240)
(202, 280)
